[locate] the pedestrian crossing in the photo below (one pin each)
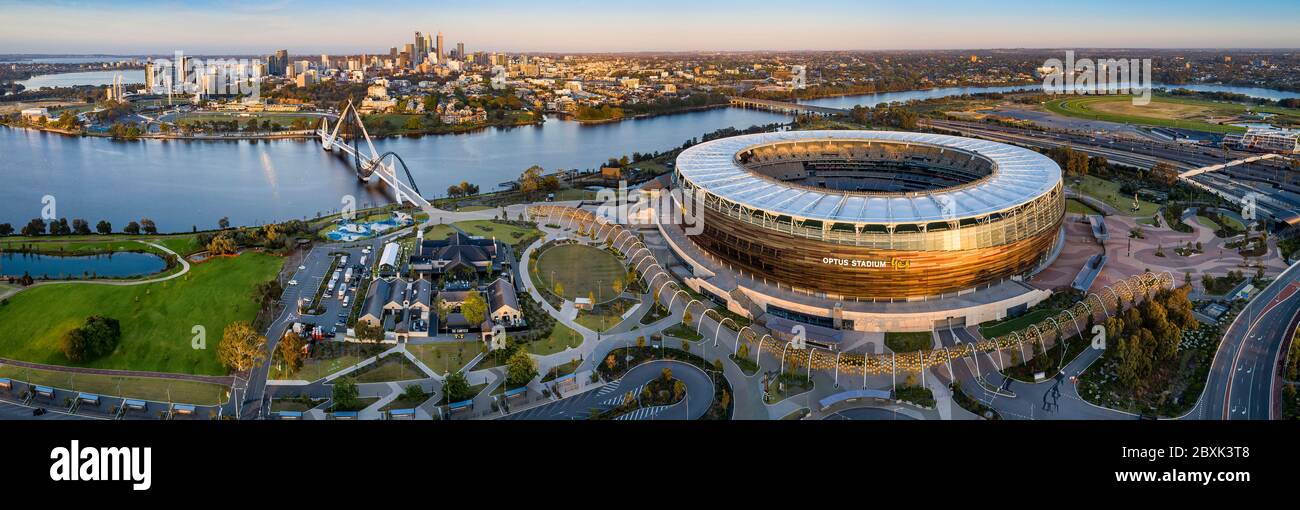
(644, 413)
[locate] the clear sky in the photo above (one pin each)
(353, 26)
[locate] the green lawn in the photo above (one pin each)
(581, 270)
(157, 318)
(145, 388)
(598, 321)
(183, 244)
(561, 337)
(908, 342)
(684, 332)
(994, 329)
(1073, 206)
(506, 233)
(315, 369)
(1108, 192)
(394, 367)
(446, 357)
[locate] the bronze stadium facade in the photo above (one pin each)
(873, 215)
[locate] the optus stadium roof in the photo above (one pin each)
(1009, 176)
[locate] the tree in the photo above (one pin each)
(369, 332)
(96, 338)
(132, 228)
(559, 289)
(640, 342)
(456, 387)
(520, 369)
(290, 348)
(34, 228)
(687, 318)
(474, 308)
(222, 244)
(530, 182)
(224, 223)
(241, 347)
(148, 226)
(6, 229)
(345, 394)
(104, 227)
(742, 352)
(618, 287)
(80, 227)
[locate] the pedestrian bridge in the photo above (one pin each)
(367, 161)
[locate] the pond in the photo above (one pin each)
(110, 265)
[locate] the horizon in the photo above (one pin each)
(672, 26)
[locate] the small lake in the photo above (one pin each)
(123, 264)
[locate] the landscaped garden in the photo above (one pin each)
(908, 342)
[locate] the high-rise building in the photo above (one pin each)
(278, 63)
(460, 50)
(324, 61)
(418, 51)
(439, 49)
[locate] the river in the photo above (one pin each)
(185, 184)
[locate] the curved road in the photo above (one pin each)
(699, 396)
(1243, 377)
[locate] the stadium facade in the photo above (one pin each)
(821, 223)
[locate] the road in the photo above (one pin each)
(1243, 377)
(699, 396)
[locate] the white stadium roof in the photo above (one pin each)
(1019, 176)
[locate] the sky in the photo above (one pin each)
(329, 26)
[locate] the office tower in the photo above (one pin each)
(417, 55)
(439, 49)
(460, 50)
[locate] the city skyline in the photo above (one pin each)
(580, 26)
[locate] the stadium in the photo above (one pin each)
(871, 216)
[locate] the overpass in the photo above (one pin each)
(784, 106)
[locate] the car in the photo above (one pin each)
(300, 268)
(293, 282)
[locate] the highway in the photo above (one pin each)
(1242, 384)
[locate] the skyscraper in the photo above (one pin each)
(417, 56)
(460, 51)
(439, 49)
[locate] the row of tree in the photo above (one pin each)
(78, 226)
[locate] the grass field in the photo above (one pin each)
(282, 119)
(393, 367)
(908, 342)
(157, 318)
(315, 368)
(505, 233)
(1108, 192)
(561, 337)
(183, 244)
(446, 357)
(1164, 111)
(581, 270)
(598, 321)
(145, 388)
(991, 330)
(1073, 206)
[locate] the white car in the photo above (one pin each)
(293, 282)
(300, 268)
